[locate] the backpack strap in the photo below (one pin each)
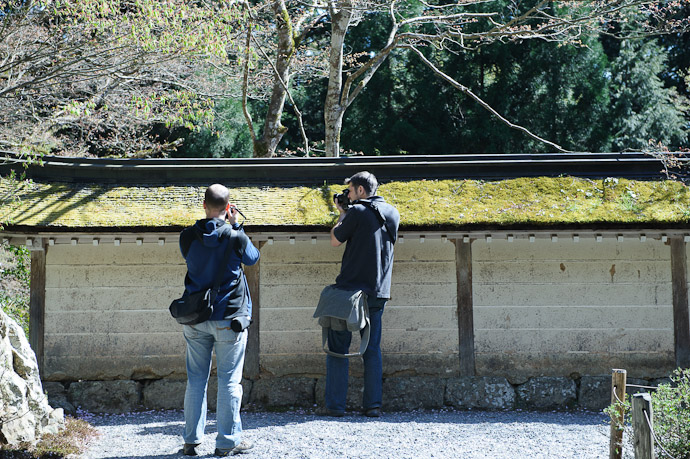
(226, 256)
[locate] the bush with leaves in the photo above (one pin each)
(670, 417)
(671, 411)
(15, 274)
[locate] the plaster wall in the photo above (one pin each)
(107, 312)
(565, 308)
(420, 334)
(540, 308)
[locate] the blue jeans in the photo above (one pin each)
(230, 347)
(337, 367)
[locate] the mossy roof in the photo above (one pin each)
(533, 201)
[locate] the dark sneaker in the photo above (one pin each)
(189, 449)
(373, 413)
(242, 447)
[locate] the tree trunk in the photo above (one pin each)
(273, 129)
(333, 108)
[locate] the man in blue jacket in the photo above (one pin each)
(370, 228)
(203, 246)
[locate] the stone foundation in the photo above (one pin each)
(399, 393)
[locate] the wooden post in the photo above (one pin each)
(681, 316)
(618, 380)
(251, 357)
(463, 269)
(644, 443)
(37, 304)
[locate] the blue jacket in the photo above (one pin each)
(203, 257)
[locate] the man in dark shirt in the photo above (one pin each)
(370, 228)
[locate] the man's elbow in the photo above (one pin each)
(335, 242)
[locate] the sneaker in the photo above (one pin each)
(189, 449)
(373, 413)
(242, 447)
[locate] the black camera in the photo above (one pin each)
(343, 199)
(239, 323)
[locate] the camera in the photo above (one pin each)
(239, 323)
(343, 199)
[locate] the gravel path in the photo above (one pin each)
(428, 434)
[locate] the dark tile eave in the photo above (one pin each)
(474, 227)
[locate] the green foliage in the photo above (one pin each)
(581, 95)
(670, 413)
(643, 109)
(15, 275)
(228, 137)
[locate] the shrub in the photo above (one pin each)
(671, 416)
(69, 442)
(15, 274)
(671, 411)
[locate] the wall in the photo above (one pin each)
(420, 325)
(107, 311)
(540, 308)
(564, 308)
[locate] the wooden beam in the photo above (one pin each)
(643, 420)
(252, 366)
(618, 382)
(37, 304)
(681, 315)
(463, 269)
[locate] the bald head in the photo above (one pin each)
(216, 198)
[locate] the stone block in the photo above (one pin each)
(284, 392)
(57, 397)
(105, 396)
(164, 394)
(355, 392)
(487, 393)
(594, 393)
(630, 390)
(412, 393)
(547, 393)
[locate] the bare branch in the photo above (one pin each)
(486, 106)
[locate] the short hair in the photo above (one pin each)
(216, 197)
(365, 179)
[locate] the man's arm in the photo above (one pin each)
(334, 240)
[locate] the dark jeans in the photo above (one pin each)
(337, 368)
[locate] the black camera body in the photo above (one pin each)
(343, 199)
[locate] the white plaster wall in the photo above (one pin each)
(565, 307)
(539, 308)
(419, 323)
(107, 311)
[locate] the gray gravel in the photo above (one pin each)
(427, 434)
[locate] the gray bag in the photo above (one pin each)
(343, 310)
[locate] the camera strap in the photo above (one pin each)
(382, 220)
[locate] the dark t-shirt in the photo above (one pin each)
(370, 232)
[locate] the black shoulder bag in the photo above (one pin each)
(198, 307)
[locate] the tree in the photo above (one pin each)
(465, 27)
(643, 110)
(97, 76)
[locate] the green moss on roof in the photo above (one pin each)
(540, 200)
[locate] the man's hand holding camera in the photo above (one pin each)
(342, 201)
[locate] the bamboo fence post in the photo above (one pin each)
(642, 426)
(618, 379)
